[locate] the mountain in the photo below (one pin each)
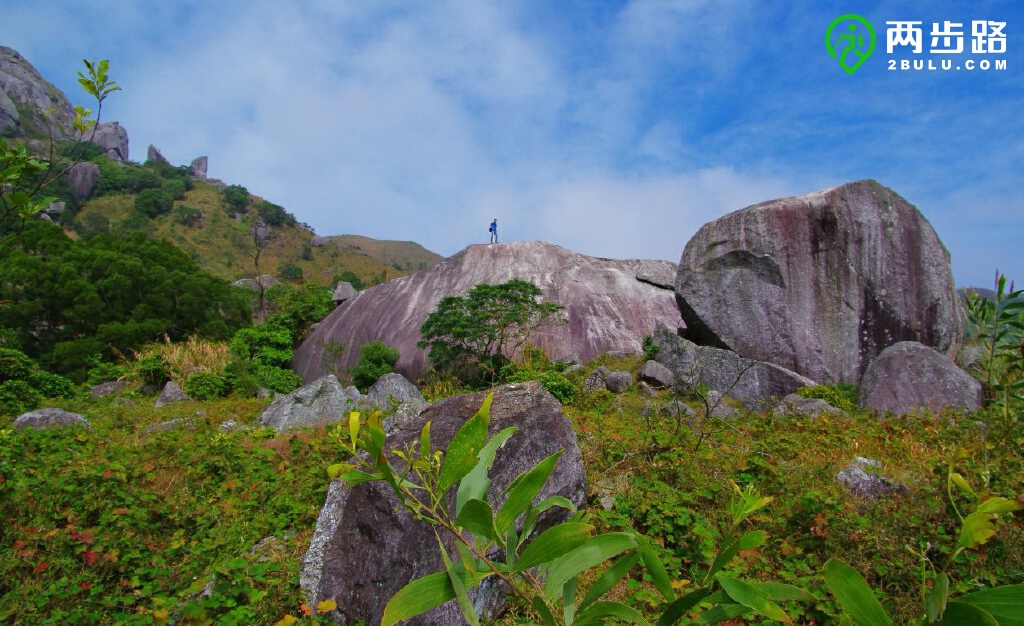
(213, 222)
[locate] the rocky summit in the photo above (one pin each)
(607, 306)
(820, 284)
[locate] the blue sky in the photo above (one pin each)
(612, 128)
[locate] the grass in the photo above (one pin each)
(125, 524)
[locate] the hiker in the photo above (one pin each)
(494, 231)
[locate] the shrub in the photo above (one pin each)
(205, 386)
(267, 344)
(151, 369)
(274, 215)
(175, 188)
(650, 348)
(236, 198)
(843, 396)
(153, 202)
(186, 215)
(559, 386)
(102, 372)
(138, 179)
(375, 359)
(289, 271)
(15, 365)
(17, 397)
(52, 385)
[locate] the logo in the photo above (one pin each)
(850, 40)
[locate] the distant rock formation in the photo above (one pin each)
(82, 179)
(820, 284)
(608, 308)
(197, 169)
(113, 138)
(153, 155)
(22, 84)
(344, 291)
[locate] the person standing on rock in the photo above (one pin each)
(494, 231)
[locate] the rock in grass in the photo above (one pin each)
(366, 547)
(908, 377)
(171, 393)
(323, 401)
(50, 418)
(860, 479)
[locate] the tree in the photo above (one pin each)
(375, 359)
(153, 202)
(237, 198)
(473, 336)
(25, 177)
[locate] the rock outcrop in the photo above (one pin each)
(113, 138)
(344, 291)
(820, 284)
(393, 389)
(608, 308)
(365, 547)
(197, 169)
(751, 382)
(153, 155)
(170, 394)
(22, 84)
(82, 179)
(909, 376)
(323, 401)
(861, 478)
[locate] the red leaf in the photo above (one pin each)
(306, 610)
(107, 473)
(41, 567)
(90, 557)
(121, 511)
(85, 586)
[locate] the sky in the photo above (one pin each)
(613, 128)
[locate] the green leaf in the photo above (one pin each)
(722, 559)
(534, 511)
(977, 529)
(466, 444)
(610, 578)
(659, 575)
(553, 543)
(421, 595)
(957, 479)
(542, 609)
(722, 613)
(782, 592)
(353, 427)
(599, 612)
(999, 505)
(476, 483)
(675, 611)
(591, 554)
(357, 477)
(854, 595)
(936, 600)
(337, 469)
(753, 539)
(1005, 604)
(478, 518)
(751, 597)
(964, 614)
(569, 599)
(523, 490)
(465, 604)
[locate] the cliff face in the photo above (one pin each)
(608, 307)
(25, 94)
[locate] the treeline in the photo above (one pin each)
(68, 303)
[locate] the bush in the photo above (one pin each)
(375, 359)
(236, 198)
(205, 386)
(267, 344)
(246, 378)
(15, 365)
(559, 386)
(843, 396)
(175, 188)
(52, 385)
(17, 397)
(186, 215)
(274, 215)
(650, 348)
(289, 271)
(102, 372)
(151, 370)
(153, 202)
(137, 179)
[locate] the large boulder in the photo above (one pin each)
(344, 291)
(113, 138)
(197, 169)
(608, 308)
(46, 418)
(752, 382)
(82, 179)
(820, 284)
(323, 401)
(908, 376)
(392, 389)
(170, 394)
(366, 547)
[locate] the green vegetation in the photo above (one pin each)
(375, 359)
(474, 336)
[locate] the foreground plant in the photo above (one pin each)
(544, 570)
(988, 606)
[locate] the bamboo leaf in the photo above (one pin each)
(421, 595)
(854, 595)
(610, 578)
(1004, 604)
(478, 518)
(543, 610)
(599, 612)
(659, 575)
(465, 604)
(523, 490)
(722, 613)
(675, 611)
(751, 597)
(936, 601)
(722, 559)
(782, 592)
(964, 614)
(753, 539)
(591, 554)
(553, 543)
(476, 483)
(466, 444)
(999, 505)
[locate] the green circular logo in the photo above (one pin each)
(850, 39)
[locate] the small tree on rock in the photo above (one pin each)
(473, 336)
